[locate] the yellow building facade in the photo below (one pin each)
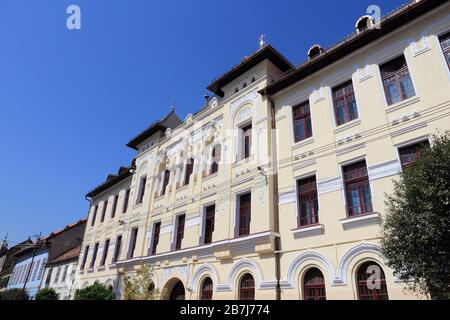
(275, 189)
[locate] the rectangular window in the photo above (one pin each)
(49, 276)
(126, 201)
(345, 109)
(166, 179)
(94, 216)
(114, 208)
(64, 275)
(410, 153)
(133, 240)
(307, 202)
(247, 142)
(216, 157)
(302, 122)
(105, 206)
(445, 44)
(180, 231)
(210, 213)
(94, 256)
(245, 209)
(357, 189)
(117, 249)
(141, 193)
(41, 269)
(397, 81)
(58, 272)
(83, 263)
(105, 253)
(188, 171)
(36, 269)
(155, 242)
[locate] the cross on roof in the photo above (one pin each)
(262, 41)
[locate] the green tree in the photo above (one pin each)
(139, 285)
(97, 291)
(416, 229)
(47, 294)
(14, 294)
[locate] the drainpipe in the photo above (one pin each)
(275, 202)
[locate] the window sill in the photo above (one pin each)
(303, 143)
(90, 270)
(183, 188)
(402, 104)
(361, 220)
(347, 125)
(308, 231)
(102, 268)
(138, 205)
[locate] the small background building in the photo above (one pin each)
(62, 260)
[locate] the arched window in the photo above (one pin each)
(314, 285)
(371, 282)
(207, 289)
(247, 288)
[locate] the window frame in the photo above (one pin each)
(114, 207)
(94, 255)
(126, 201)
(105, 207)
(360, 283)
(316, 287)
(353, 181)
(214, 168)
(239, 229)
(142, 189)
(165, 181)
(388, 61)
(206, 295)
(188, 171)
(94, 215)
(117, 249)
(344, 97)
(250, 290)
(297, 194)
(133, 242)
(302, 117)
(84, 259)
(206, 240)
(179, 232)
(410, 144)
(155, 237)
(443, 51)
(105, 252)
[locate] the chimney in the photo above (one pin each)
(206, 99)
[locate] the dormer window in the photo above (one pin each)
(363, 23)
(315, 51)
(236, 90)
(244, 85)
(253, 79)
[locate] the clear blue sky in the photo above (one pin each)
(71, 100)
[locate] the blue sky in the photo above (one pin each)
(71, 99)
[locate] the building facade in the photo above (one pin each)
(60, 269)
(28, 268)
(275, 188)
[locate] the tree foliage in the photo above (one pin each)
(14, 294)
(139, 285)
(416, 229)
(47, 294)
(97, 291)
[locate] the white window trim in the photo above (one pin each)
(435, 38)
(203, 219)
(297, 204)
(410, 142)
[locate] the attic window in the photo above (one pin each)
(244, 85)
(236, 90)
(363, 23)
(315, 51)
(253, 79)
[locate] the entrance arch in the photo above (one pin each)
(175, 290)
